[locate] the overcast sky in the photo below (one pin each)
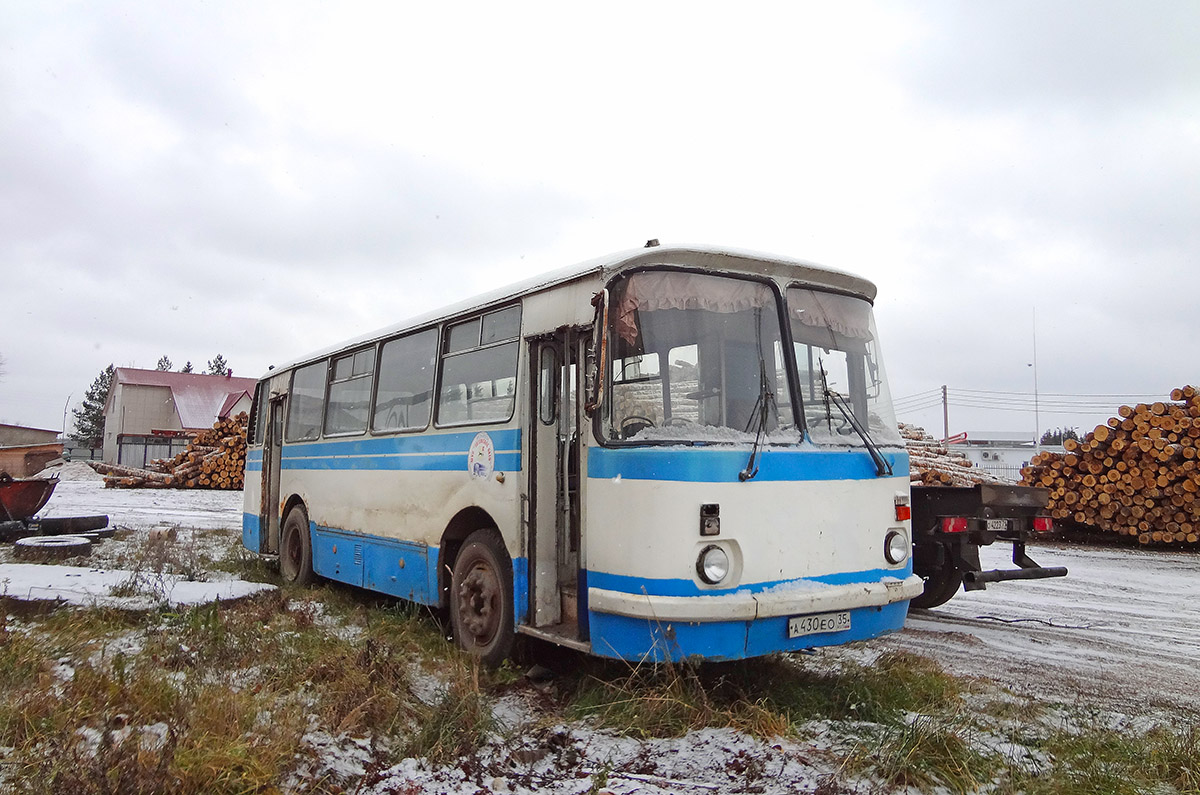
(263, 179)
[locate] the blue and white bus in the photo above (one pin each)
(663, 454)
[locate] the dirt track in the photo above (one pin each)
(1122, 628)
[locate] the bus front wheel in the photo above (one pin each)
(481, 598)
(295, 549)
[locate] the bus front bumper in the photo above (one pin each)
(802, 599)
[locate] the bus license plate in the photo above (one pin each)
(822, 622)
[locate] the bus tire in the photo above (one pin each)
(940, 586)
(481, 598)
(295, 549)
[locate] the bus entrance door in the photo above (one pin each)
(269, 513)
(554, 527)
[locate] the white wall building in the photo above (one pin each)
(151, 413)
(1002, 453)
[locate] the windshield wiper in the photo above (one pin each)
(759, 415)
(883, 467)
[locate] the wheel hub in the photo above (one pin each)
(477, 594)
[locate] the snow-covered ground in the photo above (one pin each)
(188, 515)
(1123, 627)
(139, 509)
(1121, 631)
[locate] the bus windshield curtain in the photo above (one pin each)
(654, 290)
(849, 317)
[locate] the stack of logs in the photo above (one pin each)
(934, 463)
(214, 459)
(1138, 475)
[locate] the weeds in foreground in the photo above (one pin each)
(458, 720)
(214, 699)
(670, 700)
(765, 698)
(925, 753)
(1095, 759)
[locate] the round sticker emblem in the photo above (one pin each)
(481, 458)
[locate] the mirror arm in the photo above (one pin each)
(599, 350)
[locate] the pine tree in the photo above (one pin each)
(187, 368)
(217, 366)
(164, 364)
(89, 417)
(1059, 435)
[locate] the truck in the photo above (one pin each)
(951, 523)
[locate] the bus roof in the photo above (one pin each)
(704, 257)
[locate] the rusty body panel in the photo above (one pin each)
(21, 498)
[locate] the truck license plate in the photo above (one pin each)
(821, 622)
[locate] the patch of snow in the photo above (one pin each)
(70, 470)
(141, 509)
(568, 760)
(342, 756)
(80, 586)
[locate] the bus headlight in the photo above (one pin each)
(713, 564)
(895, 548)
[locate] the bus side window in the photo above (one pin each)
(350, 392)
(479, 369)
(306, 404)
(406, 383)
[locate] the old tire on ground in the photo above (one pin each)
(43, 548)
(939, 588)
(295, 549)
(481, 598)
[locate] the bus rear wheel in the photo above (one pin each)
(481, 598)
(295, 549)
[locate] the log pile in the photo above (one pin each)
(933, 463)
(214, 459)
(1138, 475)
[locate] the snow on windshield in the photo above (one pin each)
(696, 357)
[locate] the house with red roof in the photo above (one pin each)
(150, 414)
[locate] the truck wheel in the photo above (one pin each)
(939, 588)
(295, 549)
(481, 598)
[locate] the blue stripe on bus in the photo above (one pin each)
(443, 452)
(722, 465)
(405, 569)
(629, 638)
(681, 587)
(450, 462)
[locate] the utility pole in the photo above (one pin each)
(1037, 422)
(945, 415)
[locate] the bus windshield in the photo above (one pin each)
(838, 360)
(696, 358)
